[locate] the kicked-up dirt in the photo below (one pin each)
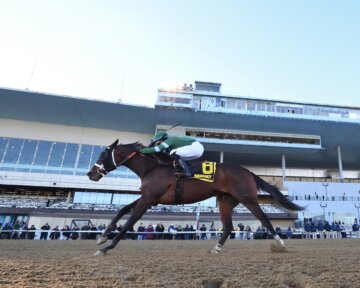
(179, 263)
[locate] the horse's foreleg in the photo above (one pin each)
(139, 211)
(226, 205)
(124, 210)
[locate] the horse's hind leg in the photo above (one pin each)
(226, 206)
(124, 210)
(264, 219)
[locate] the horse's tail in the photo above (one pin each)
(275, 192)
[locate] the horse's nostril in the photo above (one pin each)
(88, 174)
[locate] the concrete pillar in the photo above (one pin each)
(340, 163)
(221, 156)
(68, 198)
(283, 165)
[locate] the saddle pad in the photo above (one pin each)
(204, 171)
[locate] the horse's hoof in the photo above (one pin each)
(100, 253)
(214, 251)
(276, 248)
(102, 240)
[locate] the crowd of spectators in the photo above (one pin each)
(311, 230)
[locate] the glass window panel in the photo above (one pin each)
(107, 198)
(70, 155)
(96, 153)
(28, 152)
(3, 142)
(124, 199)
(85, 156)
(42, 153)
(92, 197)
(77, 197)
(13, 151)
(57, 153)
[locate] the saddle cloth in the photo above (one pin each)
(204, 171)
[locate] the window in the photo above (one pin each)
(27, 155)
(3, 143)
(56, 157)
(42, 156)
(70, 155)
(84, 160)
(12, 154)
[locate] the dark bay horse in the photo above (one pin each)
(232, 185)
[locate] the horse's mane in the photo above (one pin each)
(160, 158)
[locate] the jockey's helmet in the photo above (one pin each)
(159, 137)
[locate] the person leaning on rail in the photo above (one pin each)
(181, 148)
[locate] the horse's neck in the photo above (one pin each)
(140, 165)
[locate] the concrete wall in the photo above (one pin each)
(69, 134)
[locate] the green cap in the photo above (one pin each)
(159, 136)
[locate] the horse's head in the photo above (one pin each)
(111, 158)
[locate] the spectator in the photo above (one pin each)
(313, 230)
(24, 229)
(130, 235)
(342, 230)
(320, 228)
(75, 235)
(203, 235)
(327, 228)
(248, 232)
(44, 234)
(192, 234)
(55, 234)
(65, 233)
(84, 236)
(102, 227)
(355, 228)
(258, 233)
(92, 236)
(17, 226)
(31, 235)
(149, 234)
(289, 233)
(307, 229)
(172, 231)
(160, 231)
(241, 229)
(187, 229)
(213, 232)
(141, 230)
(6, 235)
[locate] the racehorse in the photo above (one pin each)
(232, 185)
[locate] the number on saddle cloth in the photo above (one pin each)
(204, 171)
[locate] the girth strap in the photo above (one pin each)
(178, 190)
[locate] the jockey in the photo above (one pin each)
(181, 148)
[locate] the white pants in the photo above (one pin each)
(193, 151)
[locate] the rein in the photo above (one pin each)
(132, 154)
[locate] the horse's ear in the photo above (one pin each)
(113, 145)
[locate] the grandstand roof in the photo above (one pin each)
(64, 110)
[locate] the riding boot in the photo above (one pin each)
(185, 167)
(186, 170)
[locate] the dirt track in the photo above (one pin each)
(307, 263)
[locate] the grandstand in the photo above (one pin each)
(49, 142)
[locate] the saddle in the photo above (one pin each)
(204, 171)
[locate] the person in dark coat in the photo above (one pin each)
(31, 235)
